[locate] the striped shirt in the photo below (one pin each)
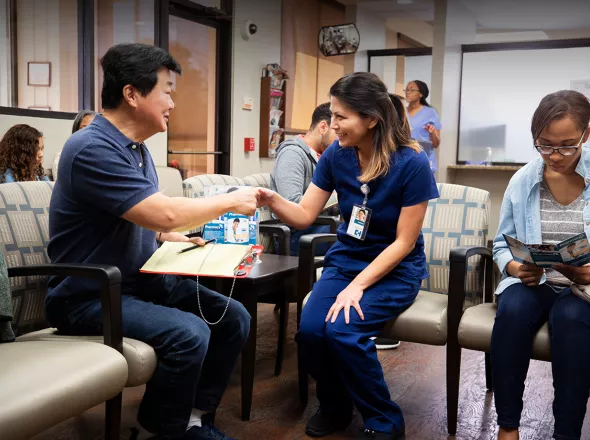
(558, 223)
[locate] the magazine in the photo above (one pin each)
(574, 251)
(230, 228)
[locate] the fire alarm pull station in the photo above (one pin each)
(249, 144)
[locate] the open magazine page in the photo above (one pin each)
(519, 250)
(574, 251)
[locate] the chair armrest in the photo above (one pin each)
(459, 257)
(281, 231)
(334, 222)
(307, 246)
(110, 292)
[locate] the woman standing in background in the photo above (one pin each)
(424, 120)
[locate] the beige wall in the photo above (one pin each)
(47, 32)
(249, 58)
(57, 131)
(417, 30)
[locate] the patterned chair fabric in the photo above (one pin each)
(24, 224)
(460, 217)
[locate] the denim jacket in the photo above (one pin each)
(520, 215)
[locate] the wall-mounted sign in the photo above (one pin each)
(341, 39)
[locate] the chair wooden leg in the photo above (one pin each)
(283, 324)
(453, 377)
(489, 379)
(303, 379)
(113, 417)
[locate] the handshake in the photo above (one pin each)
(245, 201)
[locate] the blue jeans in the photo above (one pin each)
(195, 360)
(342, 358)
(521, 312)
(321, 249)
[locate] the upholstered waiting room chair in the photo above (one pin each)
(44, 381)
(455, 228)
(475, 333)
(170, 181)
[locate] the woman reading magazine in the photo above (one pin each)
(547, 201)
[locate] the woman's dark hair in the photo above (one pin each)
(365, 94)
(423, 91)
(80, 117)
(400, 109)
(132, 64)
(560, 105)
(18, 151)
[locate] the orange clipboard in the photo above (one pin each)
(211, 260)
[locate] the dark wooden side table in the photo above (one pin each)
(274, 274)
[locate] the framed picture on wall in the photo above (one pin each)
(39, 73)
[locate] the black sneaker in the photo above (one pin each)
(385, 343)
(369, 433)
(322, 424)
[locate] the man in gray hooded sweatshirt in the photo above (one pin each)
(295, 164)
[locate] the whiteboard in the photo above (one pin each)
(419, 68)
(500, 92)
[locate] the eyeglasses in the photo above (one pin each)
(548, 150)
(411, 90)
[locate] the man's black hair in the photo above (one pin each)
(321, 113)
(236, 220)
(132, 64)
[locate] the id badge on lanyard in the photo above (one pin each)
(360, 217)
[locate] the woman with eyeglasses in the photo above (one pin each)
(424, 120)
(546, 202)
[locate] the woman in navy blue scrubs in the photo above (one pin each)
(374, 271)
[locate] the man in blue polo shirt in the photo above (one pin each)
(106, 209)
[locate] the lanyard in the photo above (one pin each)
(365, 190)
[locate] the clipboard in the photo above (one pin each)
(211, 260)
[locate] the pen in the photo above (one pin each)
(196, 246)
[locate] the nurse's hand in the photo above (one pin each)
(578, 275)
(264, 196)
(349, 297)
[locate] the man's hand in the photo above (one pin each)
(244, 201)
(177, 236)
(529, 274)
(579, 275)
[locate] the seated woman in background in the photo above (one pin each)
(21, 155)
(545, 202)
(83, 120)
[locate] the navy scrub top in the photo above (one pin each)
(409, 182)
